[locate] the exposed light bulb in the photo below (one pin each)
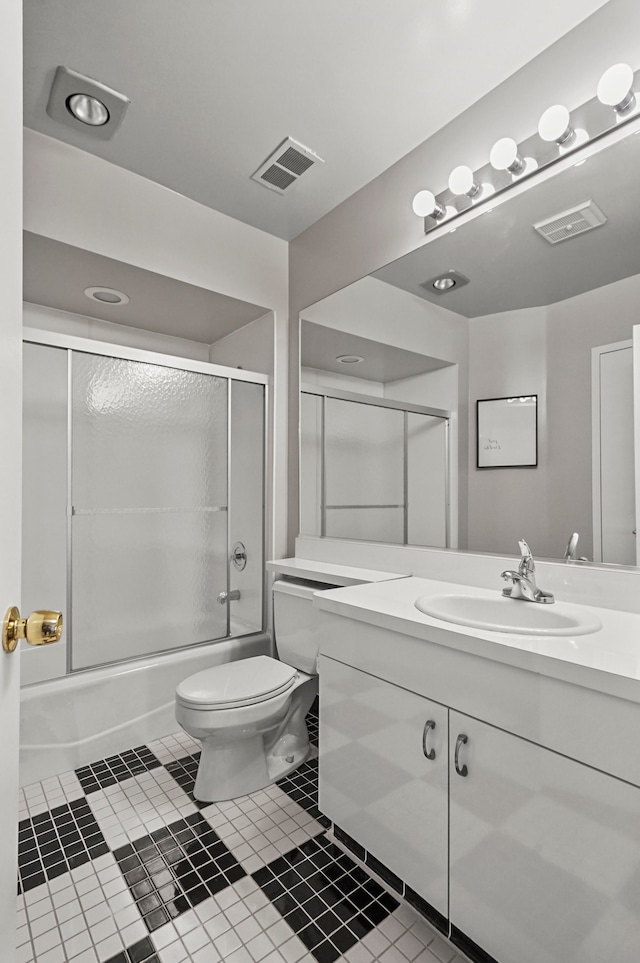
(426, 205)
(461, 182)
(505, 157)
(615, 88)
(554, 126)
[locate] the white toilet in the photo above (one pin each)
(250, 714)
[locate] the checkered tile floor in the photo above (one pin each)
(119, 864)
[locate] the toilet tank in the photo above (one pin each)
(295, 622)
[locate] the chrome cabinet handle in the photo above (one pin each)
(460, 741)
(429, 753)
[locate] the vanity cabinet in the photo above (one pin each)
(385, 774)
(532, 856)
(544, 852)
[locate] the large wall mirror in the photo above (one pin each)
(392, 370)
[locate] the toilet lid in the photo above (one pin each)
(236, 683)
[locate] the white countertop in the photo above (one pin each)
(328, 571)
(607, 660)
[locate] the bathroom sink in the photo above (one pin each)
(507, 615)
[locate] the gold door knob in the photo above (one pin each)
(40, 628)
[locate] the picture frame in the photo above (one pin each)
(507, 432)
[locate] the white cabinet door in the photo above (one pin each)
(545, 852)
(376, 780)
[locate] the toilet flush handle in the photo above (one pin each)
(225, 597)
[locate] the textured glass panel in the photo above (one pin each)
(364, 453)
(146, 436)
(370, 524)
(310, 463)
(427, 480)
(246, 472)
(146, 583)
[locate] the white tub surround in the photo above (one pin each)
(496, 774)
(70, 722)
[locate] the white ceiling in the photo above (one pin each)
(321, 346)
(56, 274)
(216, 85)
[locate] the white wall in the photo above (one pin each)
(41, 318)
(340, 382)
(545, 351)
(79, 199)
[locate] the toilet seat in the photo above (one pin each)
(235, 684)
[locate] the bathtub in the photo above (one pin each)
(80, 718)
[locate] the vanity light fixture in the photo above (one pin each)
(615, 89)
(555, 127)
(350, 359)
(426, 205)
(461, 182)
(106, 295)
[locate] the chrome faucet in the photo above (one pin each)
(523, 581)
(570, 551)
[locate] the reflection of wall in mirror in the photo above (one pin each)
(545, 350)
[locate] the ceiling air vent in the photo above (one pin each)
(570, 223)
(283, 168)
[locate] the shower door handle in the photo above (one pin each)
(225, 597)
(41, 628)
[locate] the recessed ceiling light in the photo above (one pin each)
(106, 295)
(88, 110)
(85, 104)
(350, 359)
(443, 284)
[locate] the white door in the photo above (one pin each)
(10, 439)
(614, 510)
(636, 428)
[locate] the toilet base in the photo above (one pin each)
(244, 765)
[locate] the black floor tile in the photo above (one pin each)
(302, 785)
(327, 899)
(107, 772)
(312, 723)
(141, 952)
(57, 841)
(184, 771)
(176, 868)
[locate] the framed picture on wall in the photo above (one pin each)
(507, 432)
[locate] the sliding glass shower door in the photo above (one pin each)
(148, 495)
(373, 469)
